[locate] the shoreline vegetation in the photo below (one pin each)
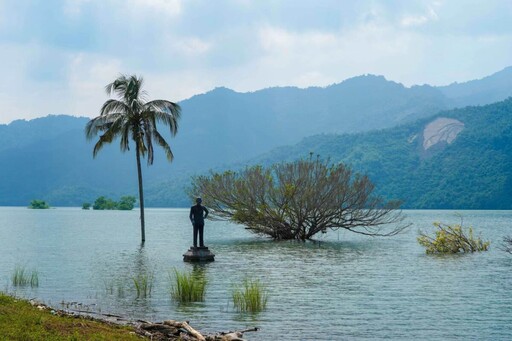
(39, 205)
(22, 319)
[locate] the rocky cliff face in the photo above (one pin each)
(441, 130)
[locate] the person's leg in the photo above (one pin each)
(201, 230)
(195, 234)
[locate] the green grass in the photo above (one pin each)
(250, 296)
(188, 286)
(143, 284)
(21, 277)
(19, 320)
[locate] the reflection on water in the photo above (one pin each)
(344, 286)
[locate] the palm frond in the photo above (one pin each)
(162, 143)
(99, 145)
(91, 129)
(96, 125)
(125, 138)
(138, 138)
(148, 127)
(118, 86)
(167, 107)
(164, 112)
(133, 88)
(115, 129)
(113, 106)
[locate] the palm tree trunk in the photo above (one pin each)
(141, 194)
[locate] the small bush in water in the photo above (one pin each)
(452, 239)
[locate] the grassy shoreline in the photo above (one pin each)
(20, 320)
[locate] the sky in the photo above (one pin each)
(56, 56)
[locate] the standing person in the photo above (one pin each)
(197, 215)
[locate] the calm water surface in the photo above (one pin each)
(345, 287)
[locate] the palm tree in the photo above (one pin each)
(131, 117)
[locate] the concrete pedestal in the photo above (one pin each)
(198, 254)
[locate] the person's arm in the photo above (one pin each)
(206, 210)
(191, 215)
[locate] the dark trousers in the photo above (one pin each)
(198, 227)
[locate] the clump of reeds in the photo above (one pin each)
(250, 296)
(109, 286)
(116, 286)
(188, 286)
(143, 284)
(21, 277)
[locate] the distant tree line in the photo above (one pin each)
(39, 204)
(126, 203)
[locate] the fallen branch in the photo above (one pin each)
(187, 327)
(231, 335)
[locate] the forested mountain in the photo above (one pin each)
(223, 126)
(487, 90)
(460, 158)
(49, 158)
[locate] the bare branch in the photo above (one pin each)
(299, 199)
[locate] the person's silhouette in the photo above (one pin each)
(197, 215)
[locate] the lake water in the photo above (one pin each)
(345, 287)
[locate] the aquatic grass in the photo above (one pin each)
(251, 296)
(109, 286)
(120, 290)
(143, 284)
(21, 277)
(188, 286)
(116, 286)
(34, 279)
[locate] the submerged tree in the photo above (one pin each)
(131, 117)
(299, 199)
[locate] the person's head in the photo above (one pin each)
(199, 200)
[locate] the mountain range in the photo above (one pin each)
(456, 159)
(49, 158)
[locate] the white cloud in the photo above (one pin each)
(88, 74)
(278, 39)
(184, 48)
(422, 19)
(192, 46)
(294, 58)
(169, 7)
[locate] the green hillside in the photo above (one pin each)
(472, 172)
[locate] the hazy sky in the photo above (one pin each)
(57, 55)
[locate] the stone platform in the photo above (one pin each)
(198, 254)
